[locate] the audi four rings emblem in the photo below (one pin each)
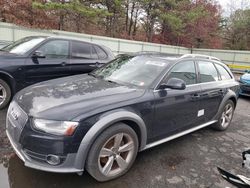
(14, 114)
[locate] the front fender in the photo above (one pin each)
(100, 126)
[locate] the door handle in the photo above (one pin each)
(221, 91)
(63, 63)
(195, 96)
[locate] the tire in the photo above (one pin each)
(113, 163)
(5, 94)
(226, 116)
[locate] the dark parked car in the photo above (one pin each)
(101, 120)
(245, 84)
(35, 59)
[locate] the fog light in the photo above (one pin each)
(53, 159)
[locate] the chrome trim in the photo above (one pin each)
(19, 154)
(178, 135)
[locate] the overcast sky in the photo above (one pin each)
(229, 6)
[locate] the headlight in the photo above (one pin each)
(55, 127)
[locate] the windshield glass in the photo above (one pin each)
(23, 45)
(140, 71)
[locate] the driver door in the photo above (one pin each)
(178, 110)
(54, 64)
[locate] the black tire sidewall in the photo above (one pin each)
(8, 94)
(92, 160)
(218, 125)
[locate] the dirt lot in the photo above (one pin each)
(189, 161)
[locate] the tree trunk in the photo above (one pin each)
(135, 23)
(127, 11)
(131, 18)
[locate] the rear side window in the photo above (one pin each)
(55, 49)
(223, 72)
(208, 72)
(101, 54)
(185, 71)
(83, 50)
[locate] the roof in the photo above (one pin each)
(169, 56)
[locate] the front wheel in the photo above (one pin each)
(5, 94)
(113, 153)
(226, 116)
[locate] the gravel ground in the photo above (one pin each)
(189, 161)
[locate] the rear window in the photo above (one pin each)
(223, 72)
(208, 72)
(101, 54)
(81, 50)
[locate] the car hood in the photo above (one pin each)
(69, 97)
(246, 78)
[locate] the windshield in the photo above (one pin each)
(22, 46)
(140, 71)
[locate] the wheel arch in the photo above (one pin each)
(231, 95)
(129, 118)
(9, 80)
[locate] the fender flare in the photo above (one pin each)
(12, 80)
(230, 94)
(100, 126)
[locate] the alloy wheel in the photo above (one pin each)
(116, 154)
(3, 94)
(227, 115)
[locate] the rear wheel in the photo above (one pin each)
(5, 94)
(113, 153)
(226, 116)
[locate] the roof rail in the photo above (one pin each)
(201, 56)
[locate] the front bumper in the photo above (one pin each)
(14, 128)
(66, 167)
(245, 89)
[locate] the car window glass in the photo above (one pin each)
(101, 54)
(55, 49)
(137, 71)
(81, 50)
(208, 72)
(94, 54)
(223, 72)
(185, 71)
(22, 46)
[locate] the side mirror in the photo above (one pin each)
(38, 54)
(173, 83)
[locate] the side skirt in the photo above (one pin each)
(178, 135)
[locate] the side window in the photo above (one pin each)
(101, 54)
(185, 71)
(223, 72)
(208, 72)
(81, 50)
(55, 49)
(94, 54)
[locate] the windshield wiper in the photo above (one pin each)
(111, 81)
(92, 74)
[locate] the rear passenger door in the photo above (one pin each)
(212, 90)
(84, 58)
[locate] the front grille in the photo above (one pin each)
(16, 120)
(17, 116)
(245, 89)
